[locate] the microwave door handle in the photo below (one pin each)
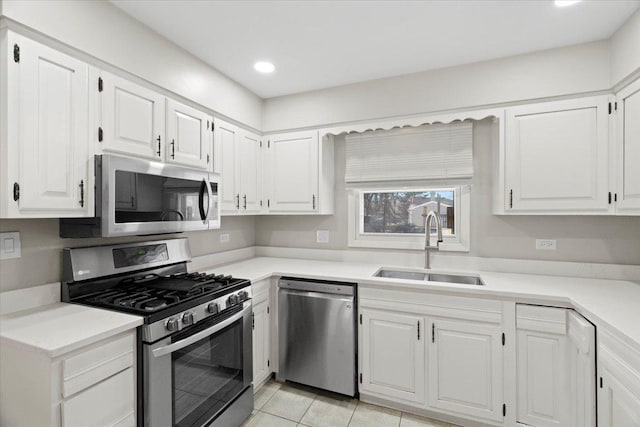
(203, 216)
(159, 352)
(210, 207)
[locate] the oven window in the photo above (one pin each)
(206, 376)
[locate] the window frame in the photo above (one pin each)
(460, 242)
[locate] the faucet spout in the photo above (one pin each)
(427, 239)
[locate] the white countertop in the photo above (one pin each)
(612, 304)
(59, 328)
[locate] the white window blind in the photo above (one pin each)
(412, 154)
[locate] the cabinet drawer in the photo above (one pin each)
(109, 403)
(92, 366)
(542, 319)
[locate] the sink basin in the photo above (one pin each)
(433, 277)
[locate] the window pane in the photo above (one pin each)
(401, 211)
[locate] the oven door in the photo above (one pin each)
(195, 375)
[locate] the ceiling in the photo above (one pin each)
(320, 44)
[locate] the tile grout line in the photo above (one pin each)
(354, 411)
(315, 396)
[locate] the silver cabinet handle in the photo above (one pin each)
(245, 201)
(158, 139)
(313, 198)
(82, 193)
(238, 201)
(173, 148)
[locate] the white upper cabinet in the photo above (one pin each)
(132, 118)
(238, 160)
(298, 173)
(627, 170)
(465, 368)
(556, 157)
(292, 172)
(555, 357)
(189, 136)
(45, 137)
(393, 355)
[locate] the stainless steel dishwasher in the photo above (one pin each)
(317, 334)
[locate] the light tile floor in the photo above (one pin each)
(287, 405)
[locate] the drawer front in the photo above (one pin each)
(109, 403)
(92, 366)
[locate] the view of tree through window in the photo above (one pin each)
(401, 211)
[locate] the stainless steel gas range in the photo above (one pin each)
(194, 349)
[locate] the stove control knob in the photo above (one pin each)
(188, 318)
(213, 308)
(172, 324)
(233, 300)
(243, 296)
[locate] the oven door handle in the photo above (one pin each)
(159, 352)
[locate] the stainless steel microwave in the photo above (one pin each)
(140, 197)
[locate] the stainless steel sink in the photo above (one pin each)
(433, 277)
(402, 274)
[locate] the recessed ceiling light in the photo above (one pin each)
(565, 3)
(264, 67)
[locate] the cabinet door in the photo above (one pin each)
(628, 150)
(250, 166)
(53, 158)
(226, 145)
(393, 358)
(465, 368)
(557, 157)
(618, 405)
(261, 339)
(189, 136)
(132, 118)
(293, 172)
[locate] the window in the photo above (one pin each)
(393, 218)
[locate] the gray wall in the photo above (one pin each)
(41, 260)
(579, 238)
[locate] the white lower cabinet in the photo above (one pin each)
(393, 355)
(261, 328)
(95, 385)
(465, 368)
(555, 357)
(619, 383)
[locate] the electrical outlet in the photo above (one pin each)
(322, 236)
(10, 245)
(546, 244)
(224, 238)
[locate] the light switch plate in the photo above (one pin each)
(322, 236)
(224, 238)
(10, 245)
(546, 244)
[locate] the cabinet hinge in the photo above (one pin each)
(268, 203)
(504, 409)
(207, 124)
(16, 191)
(615, 105)
(16, 53)
(510, 198)
(433, 332)
(609, 197)
(100, 87)
(361, 318)
(361, 378)
(268, 363)
(207, 159)
(260, 203)
(601, 385)
(615, 197)
(100, 134)
(503, 338)
(609, 108)
(267, 309)
(213, 126)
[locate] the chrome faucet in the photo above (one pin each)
(427, 235)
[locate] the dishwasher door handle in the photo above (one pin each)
(319, 295)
